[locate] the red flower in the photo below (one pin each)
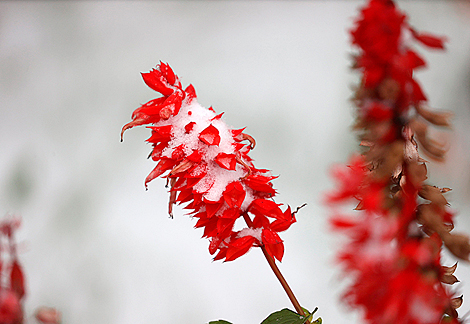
(10, 308)
(209, 169)
(380, 34)
(392, 252)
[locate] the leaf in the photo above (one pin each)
(285, 316)
(219, 322)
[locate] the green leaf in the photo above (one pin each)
(220, 322)
(285, 316)
(318, 321)
(307, 313)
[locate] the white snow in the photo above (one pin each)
(213, 184)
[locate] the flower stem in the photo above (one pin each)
(278, 274)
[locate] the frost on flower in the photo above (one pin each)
(393, 248)
(208, 168)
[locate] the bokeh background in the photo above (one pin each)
(99, 247)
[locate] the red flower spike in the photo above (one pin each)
(393, 247)
(218, 184)
(210, 135)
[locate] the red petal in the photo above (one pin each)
(236, 133)
(17, 280)
(210, 135)
(150, 108)
(418, 94)
(414, 60)
(168, 73)
(234, 194)
(222, 253)
(273, 244)
(239, 247)
(189, 127)
(217, 117)
(226, 161)
(429, 40)
(224, 226)
(190, 92)
(212, 207)
(372, 76)
(214, 245)
(185, 195)
(195, 157)
(210, 229)
(198, 172)
(260, 186)
(162, 166)
(266, 208)
(260, 221)
(156, 81)
(232, 213)
(280, 225)
(379, 112)
(160, 134)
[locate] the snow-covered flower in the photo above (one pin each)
(208, 167)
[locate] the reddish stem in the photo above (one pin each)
(278, 274)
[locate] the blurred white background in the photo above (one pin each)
(99, 247)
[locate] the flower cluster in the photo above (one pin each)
(393, 251)
(12, 290)
(12, 283)
(207, 166)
